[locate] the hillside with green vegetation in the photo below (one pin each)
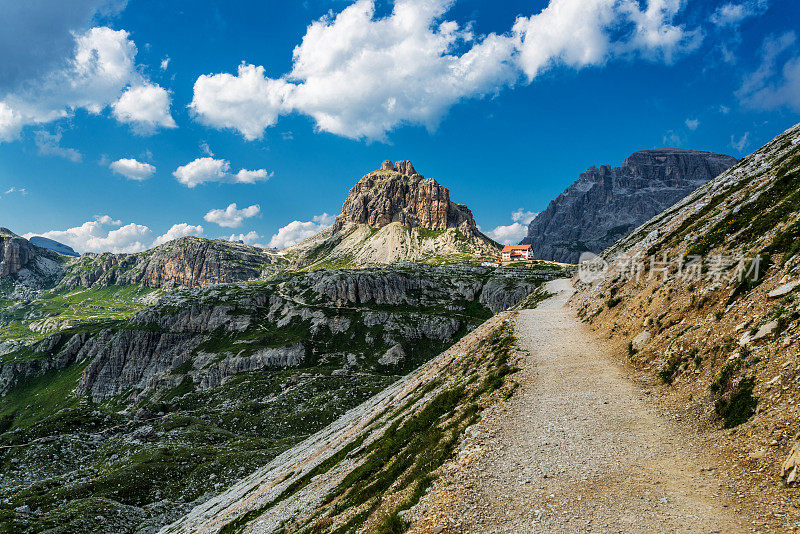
(123, 407)
(364, 471)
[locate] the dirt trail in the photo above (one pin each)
(578, 448)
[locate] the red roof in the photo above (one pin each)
(509, 248)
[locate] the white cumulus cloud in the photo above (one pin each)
(103, 235)
(208, 169)
(510, 234)
(245, 176)
(145, 108)
(248, 102)
(232, 217)
(249, 238)
(516, 231)
(296, 231)
(581, 33)
(100, 73)
(771, 86)
(133, 169)
(523, 216)
(692, 124)
(732, 14)
(178, 231)
(361, 76)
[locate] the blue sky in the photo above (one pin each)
(125, 124)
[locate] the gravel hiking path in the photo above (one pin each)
(578, 448)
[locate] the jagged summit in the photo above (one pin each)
(403, 167)
(396, 214)
(397, 193)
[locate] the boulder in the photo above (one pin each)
(789, 467)
(393, 356)
(641, 340)
(783, 290)
(765, 330)
(188, 261)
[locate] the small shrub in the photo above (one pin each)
(740, 406)
(723, 379)
(613, 301)
(6, 420)
(322, 524)
(667, 374)
(391, 524)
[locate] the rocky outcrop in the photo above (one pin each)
(121, 360)
(25, 263)
(497, 289)
(396, 193)
(53, 353)
(189, 262)
(15, 252)
(606, 203)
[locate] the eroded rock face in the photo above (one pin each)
(189, 262)
(400, 309)
(396, 193)
(27, 265)
(606, 203)
(15, 252)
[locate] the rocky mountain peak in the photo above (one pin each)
(397, 193)
(403, 167)
(606, 202)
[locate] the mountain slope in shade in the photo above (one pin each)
(53, 245)
(606, 203)
(395, 214)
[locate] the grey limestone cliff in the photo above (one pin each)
(606, 203)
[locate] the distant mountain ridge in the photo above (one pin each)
(606, 203)
(53, 245)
